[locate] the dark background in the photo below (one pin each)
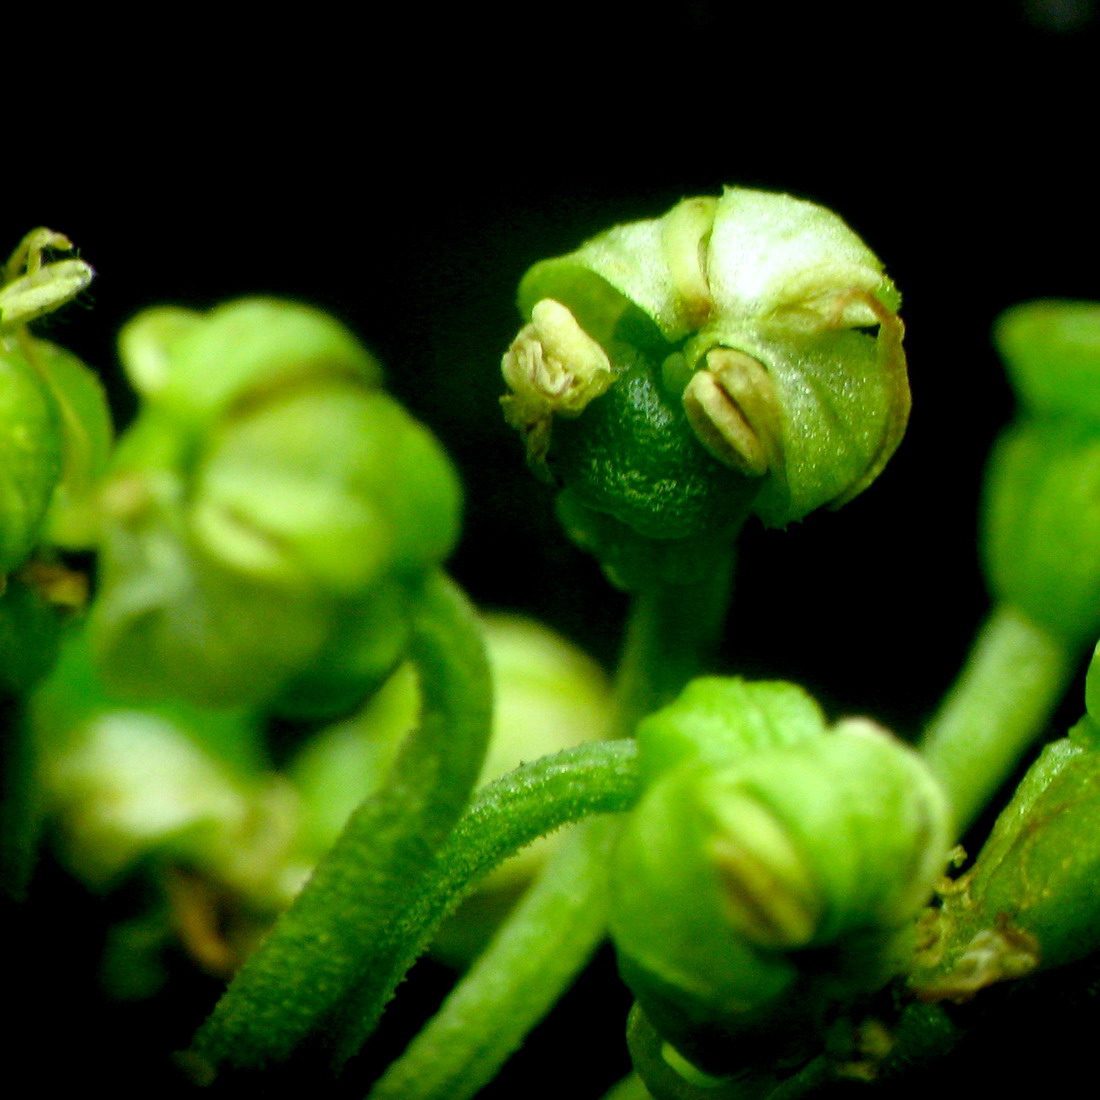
(404, 171)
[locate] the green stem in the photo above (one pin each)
(513, 985)
(1006, 692)
(554, 931)
(322, 946)
(524, 805)
(671, 635)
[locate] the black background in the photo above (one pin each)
(403, 171)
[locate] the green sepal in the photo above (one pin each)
(843, 403)
(1052, 351)
(1030, 901)
(1041, 535)
(31, 450)
(87, 438)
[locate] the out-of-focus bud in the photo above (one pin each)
(87, 437)
(1042, 494)
(754, 364)
(738, 871)
(1041, 537)
(266, 514)
(126, 783)
(1052, 351)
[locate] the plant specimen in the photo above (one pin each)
(269, 537)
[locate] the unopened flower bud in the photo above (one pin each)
(760, 842)
(754, 365)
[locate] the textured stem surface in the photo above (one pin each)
(517, 809)
(554, 931)
(324, 944)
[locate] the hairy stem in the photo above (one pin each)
(1006, 692)
(517, 809)
(322, 946)
(553, 933)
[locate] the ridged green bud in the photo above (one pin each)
(265, 513)
(738, 870)
(741, 354)
(1041, 538)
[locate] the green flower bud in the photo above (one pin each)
(1030, 901)
(267, 513)
(1052, 351)
(30, 454)
(739, 354)
(738, 870)
(1041, 538)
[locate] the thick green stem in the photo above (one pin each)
(1006, 692)
(552, 934)
(320, 949)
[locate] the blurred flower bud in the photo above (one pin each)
(753, 357)
(87, 437)
(265, 514)
(1041, 538)
(1052, 351)
(126, 783)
